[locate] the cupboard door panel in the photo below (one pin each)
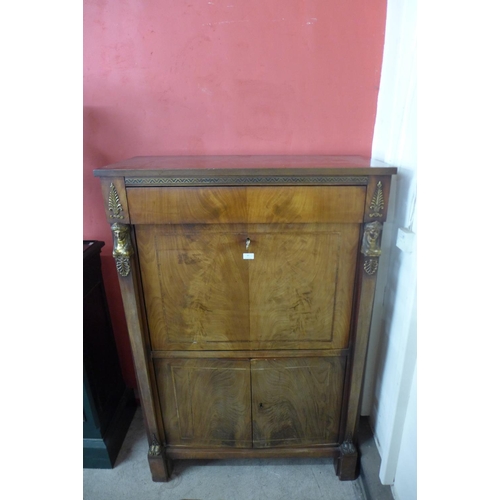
(296, 402)
(301, 285)
(205, 402)
(195, 286)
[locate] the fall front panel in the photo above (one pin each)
(256, 286)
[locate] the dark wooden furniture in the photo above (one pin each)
(108, 405)
(248, 284)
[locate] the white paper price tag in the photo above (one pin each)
(248, 256)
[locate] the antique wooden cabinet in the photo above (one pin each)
(248, 285)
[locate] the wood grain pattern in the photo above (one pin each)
(305, 204)
(205, 403)
(301, 285)
(296, 402)
(187, 205)
(201, 295)
(196, 287)
(268, 204)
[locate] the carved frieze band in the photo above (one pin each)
(370, 246)
(377, 204)
(237, 180)
(114, 204)
(122, 248)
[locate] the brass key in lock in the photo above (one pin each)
(247, 255)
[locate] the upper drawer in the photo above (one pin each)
(253, 205)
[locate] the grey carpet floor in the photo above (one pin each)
(245, 479)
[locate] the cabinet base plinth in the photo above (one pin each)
(345, 458)
(226, 453)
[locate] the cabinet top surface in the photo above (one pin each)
(243, 165)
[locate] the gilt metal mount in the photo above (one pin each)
(370, 247)
(370, 266)
(114, 204)
(378, 203)
(348, 447)
(122, 248)
(155, 448)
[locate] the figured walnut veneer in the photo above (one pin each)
(296, 293)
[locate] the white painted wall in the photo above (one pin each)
(405, 486)
(390, 385)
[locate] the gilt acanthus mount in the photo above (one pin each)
(114, 205)
(377, 205)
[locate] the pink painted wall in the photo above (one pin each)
(223, 77)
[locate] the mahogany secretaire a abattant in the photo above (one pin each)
(248, 286)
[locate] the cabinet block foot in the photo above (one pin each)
(159, 464)
(346, 462)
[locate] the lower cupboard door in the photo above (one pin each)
(296, 401)
(205, 403)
